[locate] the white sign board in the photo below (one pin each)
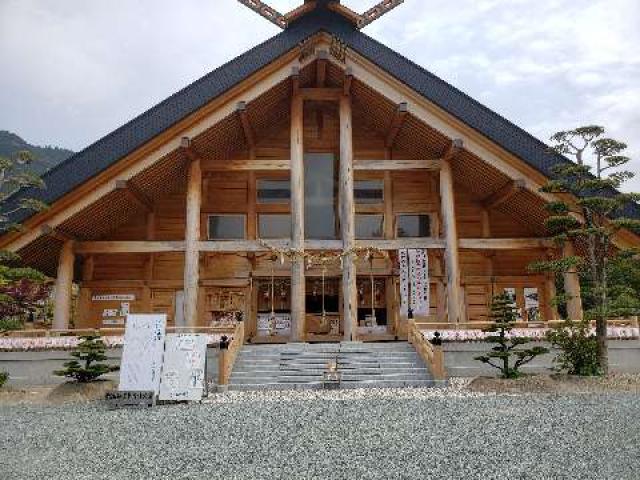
(141, 364)
(414, 282)
(184, 371)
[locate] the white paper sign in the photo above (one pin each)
(414, 282)
(183, 374)
(114, 298)
(143, 351)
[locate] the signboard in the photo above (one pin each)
(141, 364)
(130, 399)
(184, 371)
(279, 324)
(532, 304)
(114, 298)
(414, 282)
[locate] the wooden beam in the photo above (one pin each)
(505, 243)
(396, 124)
(246, 125)
(348, 81)
(321, 94)
(90, 248)
(453, 150)
(346, 12)
(360, 165)
(245, 165)
(299, 11)
(452, 262)
(192, 244)
(347, 221)
(48, 230)
(64, 285)
(187, 149)
(321, 69)
(266, 11)
(135, 194)
(504, 194)
(295, 81)
(374, 13)
(297, 218)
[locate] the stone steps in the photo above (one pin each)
(301, 366)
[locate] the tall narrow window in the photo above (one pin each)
(320, 196)
(413, 226)
(368, 192)
(273, 191)
(227, 227)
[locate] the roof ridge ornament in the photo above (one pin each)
(359, 20)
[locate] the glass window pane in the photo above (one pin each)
(274, 225)
(368, 191)
(414, 226)
(274, 191)
(369, 226)
(226, 227)
(320, 196)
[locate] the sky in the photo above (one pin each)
(75, 70)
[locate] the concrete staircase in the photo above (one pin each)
(300, 366)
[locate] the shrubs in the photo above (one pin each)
(503, 313)
(579, 348)
(90, 351)
(4, 377)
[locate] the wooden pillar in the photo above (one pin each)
(192, 249)
(441, 290)
(297, 219)
(252, 217)
(64, 285)
(572, 286)
(451, 244)
(347, 221)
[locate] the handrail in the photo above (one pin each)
(432, 355)
(34, 333)
(228, 355)
(630, 322)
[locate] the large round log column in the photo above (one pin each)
(297, 219)
(452, 261)
(572, 286)
(347, 221)
(192, 242)
(64, 285)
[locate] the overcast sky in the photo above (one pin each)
(74, 70)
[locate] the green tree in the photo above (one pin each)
(87, 367)
(579, 348)
(22, 290)
(503, 314)
(590, 213)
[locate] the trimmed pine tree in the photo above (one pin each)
(503, 314)
(87, 367)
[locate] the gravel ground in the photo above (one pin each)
(449, 433)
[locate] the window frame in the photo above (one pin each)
(369, 214)
(272, 179)
(396, 223)
(369, 204)
(271, 214)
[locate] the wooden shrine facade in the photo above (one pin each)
(192, 222)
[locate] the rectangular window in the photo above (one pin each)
(274, 191)
(320, 196)
(227, 227)
(413, 226)
(368, 191)
(274, 225)
(369, 226)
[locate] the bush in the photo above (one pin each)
(10, 324)
(91, 351)
(4, 377)
(503, 313)
(579, 348)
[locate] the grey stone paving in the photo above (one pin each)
(333, 435)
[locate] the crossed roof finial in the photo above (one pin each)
(283, 20)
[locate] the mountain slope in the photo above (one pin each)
(45, 157)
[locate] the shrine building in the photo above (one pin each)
(320, 186)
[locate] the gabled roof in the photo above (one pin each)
(105, 152)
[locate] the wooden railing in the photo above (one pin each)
(432, 355)
(618, 322)
(110, 331)
(227, 356)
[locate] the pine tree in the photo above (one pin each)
(90, 350)
(503, 314)
(591, 212)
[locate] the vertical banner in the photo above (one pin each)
(183, 373)
(532, 304)
(414, 282)
(142, 354)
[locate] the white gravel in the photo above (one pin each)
(438, 433)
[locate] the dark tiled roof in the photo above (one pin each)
(108, 150)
